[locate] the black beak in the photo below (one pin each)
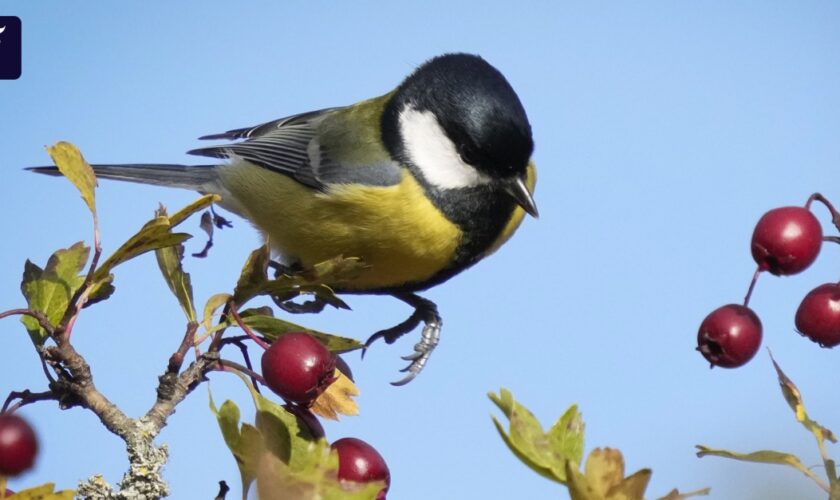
(517, 188)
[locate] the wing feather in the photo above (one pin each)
(291, 147)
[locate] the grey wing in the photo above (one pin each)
(291, 147)
(264, 128)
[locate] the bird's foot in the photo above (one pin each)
(425, 311)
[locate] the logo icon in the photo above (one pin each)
(10, 48)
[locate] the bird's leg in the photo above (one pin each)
(424, 311)
(285, 301)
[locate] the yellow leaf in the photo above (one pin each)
(338, 398)
(199, 204)
(72, 165)
(604, 469)
(213, 303)
(794, 400)
(43, 492)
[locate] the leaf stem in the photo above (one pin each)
(242, 369)
(245, 327)
(835, 215)
(752, 286)
(26, 397)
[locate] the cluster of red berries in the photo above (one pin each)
(298, 368)
(786, 241)
(18, 445)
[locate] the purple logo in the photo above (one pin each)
(10, 53)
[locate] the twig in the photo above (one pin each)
(236, 366)
(216, 343)
(81, 295)
(26, 397)
(177, 358)
(262, 343)
(835, 215)
(43, 321)
(244, 350)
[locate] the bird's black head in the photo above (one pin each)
(476, 108)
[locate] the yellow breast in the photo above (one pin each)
(396, 230)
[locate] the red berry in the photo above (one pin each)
(786, 240)
(818, 316)
(298, 368)
(18, 445)
(8, 493)
(360, 462)
(729, 336)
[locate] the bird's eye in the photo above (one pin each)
(467, 155)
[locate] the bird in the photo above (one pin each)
(420, 184)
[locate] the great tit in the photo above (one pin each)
(420, 183)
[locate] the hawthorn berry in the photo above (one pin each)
(359, 462)
(729, 336)
(298, 367)
(786, 240)
(18, 445)
(818, 316)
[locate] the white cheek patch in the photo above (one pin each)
(431, 151)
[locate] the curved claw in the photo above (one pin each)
(408, 378)
(425, 311)
(422, 351)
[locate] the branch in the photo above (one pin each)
(75, 387)
(174, 388)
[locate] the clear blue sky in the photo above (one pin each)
(663, 131)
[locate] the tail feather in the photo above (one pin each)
(201, 178)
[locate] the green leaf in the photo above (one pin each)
(101, 290)
(794, 400)
(762, 456)
(72, 165)
(244, 442)
(253, 275)
(153, 235)
(253, 280)
(289, 462)
(567, 434)
(49, 290)
(317, 482)
(547, 454)
(286, 436)
(272, 328)
(169, 261)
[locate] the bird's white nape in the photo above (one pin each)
(434, 154)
